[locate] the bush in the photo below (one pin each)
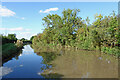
(114, 51)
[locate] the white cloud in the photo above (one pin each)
(41, 11)
(20, 32)
(14, 29)
(22, 18)
(48, 10)
(27, 29)
(6, 12)
(26, 35)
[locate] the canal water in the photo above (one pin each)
(60, 64)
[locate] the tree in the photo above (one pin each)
(70, 30)
(23, 39)
(62, 29)
(32, 38)
(97, 23)
(12, 37)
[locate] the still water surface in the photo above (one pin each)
(62, 63)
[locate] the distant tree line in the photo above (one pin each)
(25, 41)
(11, 38)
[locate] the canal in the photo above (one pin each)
(60, 64)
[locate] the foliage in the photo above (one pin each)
(11, 38)
(25, 40)
(10, 45)
(70, 30)
(32, 38)
(9, 49)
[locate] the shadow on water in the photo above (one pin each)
(16, 56)
(47, 56)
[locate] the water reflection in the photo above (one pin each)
(16, 56)
(60, 63)
(47, 56)
(27, 50)
(52, 75)
(27, 64)
(4, 71)
(84, 64)
(85, 76)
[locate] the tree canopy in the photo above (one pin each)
(71, 30)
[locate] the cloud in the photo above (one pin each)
(20, 32)
(4, 12)
(14, 29)
(48, 10)
(22, 18)
(26, 35)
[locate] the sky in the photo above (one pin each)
(25, 18)
(60, 0)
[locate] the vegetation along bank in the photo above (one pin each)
(10, 45)
(70, 30)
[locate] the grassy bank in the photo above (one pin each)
(10, 49)
(106, 50)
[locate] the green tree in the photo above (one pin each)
(12, 37)
(23, 39)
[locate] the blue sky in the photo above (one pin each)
(25, 18)
(60, 0)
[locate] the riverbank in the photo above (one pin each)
(10, 49)
(70, 31)
(104, 50)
